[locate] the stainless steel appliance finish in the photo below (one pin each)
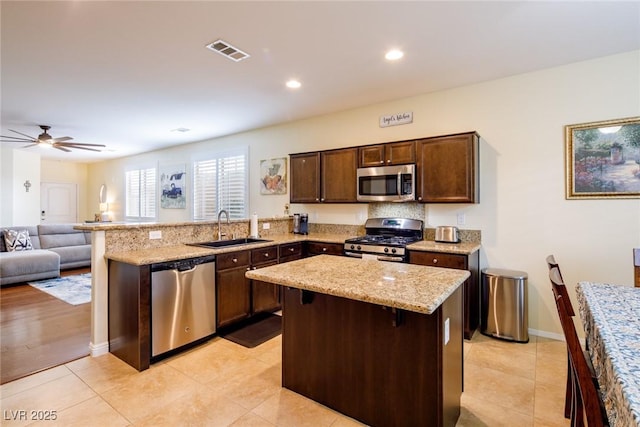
(301, 223)
(183, 303)
(447, 234)
(386, 183)
(386, 239)
(504, 305)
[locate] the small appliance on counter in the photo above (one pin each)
(301, 223)
(447, 234)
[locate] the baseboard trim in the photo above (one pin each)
(545, 334)
(99, 349)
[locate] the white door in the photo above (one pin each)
(58, 203)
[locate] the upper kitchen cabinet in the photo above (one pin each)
(327, 176)
(447, 169)
(393, 153)
(338, 175)
(305, 178)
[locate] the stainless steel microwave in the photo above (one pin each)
(387, 183)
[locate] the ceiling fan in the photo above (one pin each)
(44, 138)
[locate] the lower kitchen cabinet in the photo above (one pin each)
(471, 302)
(320, 248)
(232, 288)
(265, 297)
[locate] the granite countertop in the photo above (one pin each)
(465, 248)
(410, 287)
(184, 251)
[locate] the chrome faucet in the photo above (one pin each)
(220, 234)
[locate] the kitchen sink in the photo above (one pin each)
(225, 243)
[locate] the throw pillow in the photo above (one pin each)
(17, 240)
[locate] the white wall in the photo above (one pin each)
(522, 213)
(19, 206)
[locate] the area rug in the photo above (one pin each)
(255, 333)
(74, 289)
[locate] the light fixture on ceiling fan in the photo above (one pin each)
(61, 143)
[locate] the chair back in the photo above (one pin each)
(557, 282)
(590, 399)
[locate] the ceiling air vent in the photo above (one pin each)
(225, 49)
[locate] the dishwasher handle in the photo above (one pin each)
(182, 265)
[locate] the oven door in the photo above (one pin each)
(386, 184)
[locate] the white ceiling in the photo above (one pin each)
(125, 74)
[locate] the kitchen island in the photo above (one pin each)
(378, 341)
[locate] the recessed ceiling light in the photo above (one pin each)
(293, 84)
(394, 55)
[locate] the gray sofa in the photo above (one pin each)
(55, 247)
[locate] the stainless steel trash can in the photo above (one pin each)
(504, 307)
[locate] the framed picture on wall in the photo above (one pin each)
(603, 159)
(172, 186)
(273, 176)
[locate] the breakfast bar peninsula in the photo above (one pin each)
(378, 341)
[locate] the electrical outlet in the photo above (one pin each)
(461, 218)
(266, 225)
(156, 234)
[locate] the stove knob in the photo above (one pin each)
(393, 251)
(386, 249)
(353, 246)
(358, 247)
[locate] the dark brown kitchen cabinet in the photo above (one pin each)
(319, 248)
(233, 290)
(393, 153)
(305, 178)
(338, 175)
(324, 177)
(290, 252)
(265, 297)
(471, 301)
(447, 169)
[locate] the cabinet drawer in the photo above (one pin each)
(262, 255)
(438, 259)
(317, 248)
(290, 250)
(232, 260)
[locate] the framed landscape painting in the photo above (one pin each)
(603, 159)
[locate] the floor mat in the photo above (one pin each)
(257, 332)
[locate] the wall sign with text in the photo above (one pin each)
(396, 119)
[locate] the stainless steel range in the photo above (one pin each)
(386, 239)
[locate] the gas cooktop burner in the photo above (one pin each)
(385, 238)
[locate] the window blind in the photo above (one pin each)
(220, 182)
(140, 194)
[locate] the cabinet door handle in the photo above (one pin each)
(435, 260)
(419, 198)
(317, 200)
(266, 254)
(324, 249)
(235, 260)
(381, 161)
(389, 161)
(248, 269)
(322, 200)
(291, 250)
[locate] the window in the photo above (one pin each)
(220, 182)
(141, 194)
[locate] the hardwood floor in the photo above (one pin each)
(38, 331)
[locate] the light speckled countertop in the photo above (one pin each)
(466, 248)
(406, 286)
(183, 251)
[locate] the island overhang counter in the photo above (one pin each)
(378, 341)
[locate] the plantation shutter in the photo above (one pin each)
(140, 198)
(219, 183)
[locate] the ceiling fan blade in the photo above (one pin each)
(30, 145)
(62, 139)
(61, 148)
(16, 139)
(23, 134)
(79, 144)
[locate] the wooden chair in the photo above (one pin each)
(586, 404)
(562, 290)
(636, 267)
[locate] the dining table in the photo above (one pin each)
(610, 316)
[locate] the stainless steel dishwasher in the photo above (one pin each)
(183, 303)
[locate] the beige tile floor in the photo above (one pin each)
(223, 384)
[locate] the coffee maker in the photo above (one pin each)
(301, 223)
